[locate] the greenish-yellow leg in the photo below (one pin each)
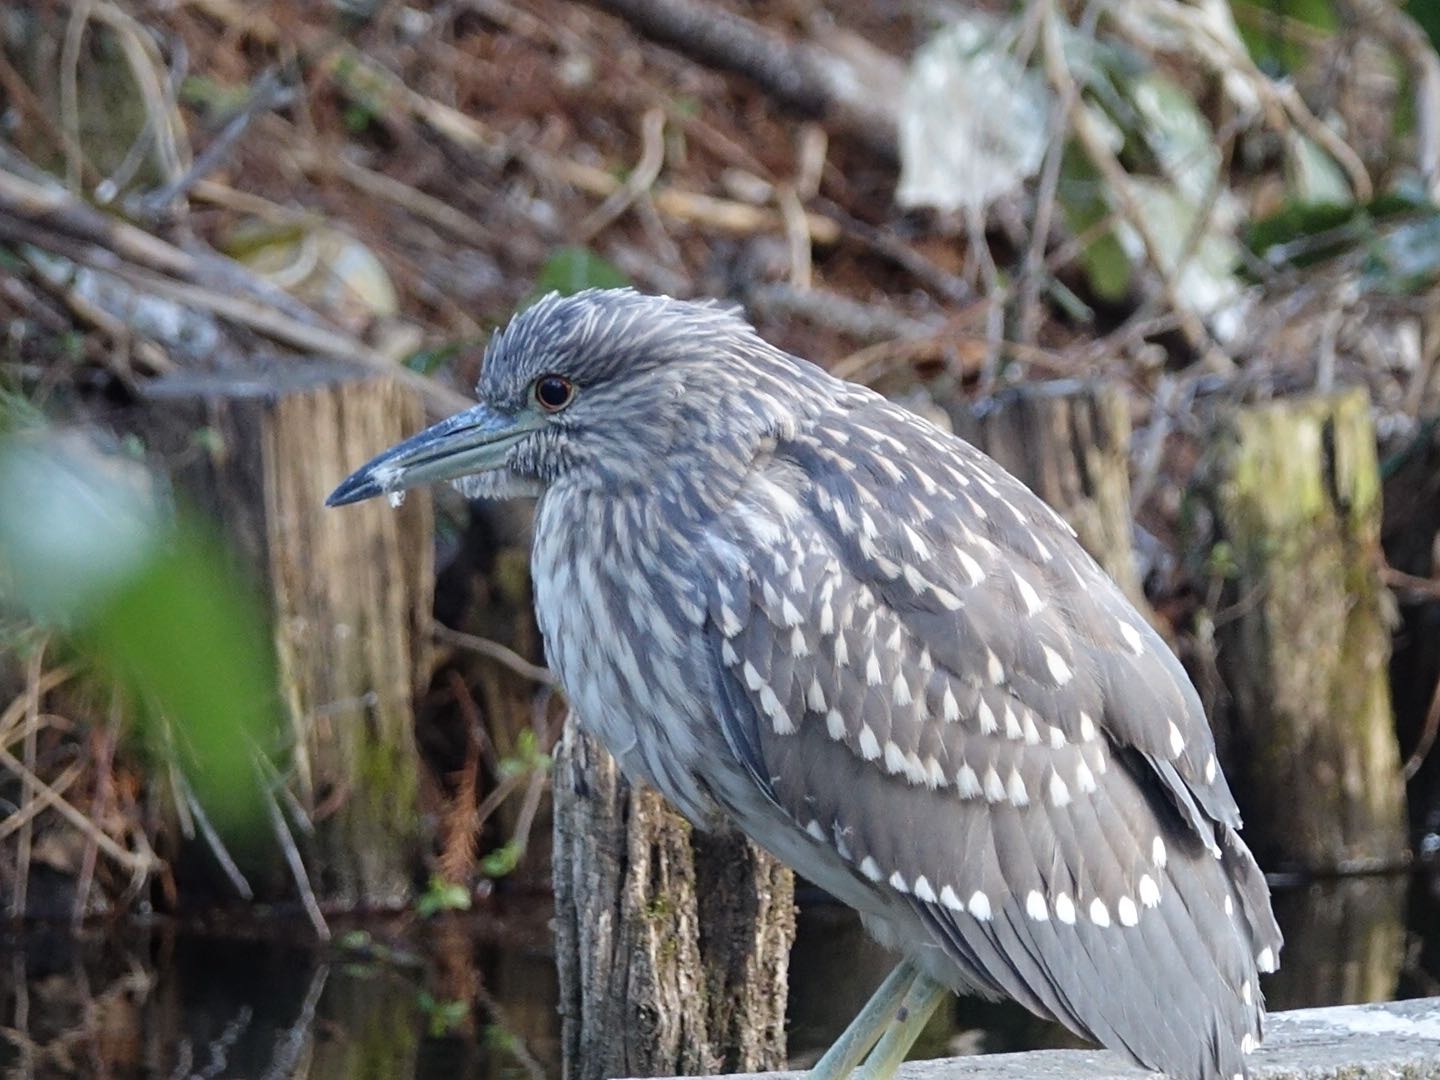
(920, 1003)
(869, 1024)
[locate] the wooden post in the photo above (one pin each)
(1303, 636)
(1069, 442)
(350, 591)
(672, 948)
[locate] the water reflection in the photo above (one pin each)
(1346, 940)
(475, 997)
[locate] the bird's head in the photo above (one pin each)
(607, 386)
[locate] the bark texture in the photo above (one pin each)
(672, 947)
(1069, 442)
(1303, 633)
(350, 591)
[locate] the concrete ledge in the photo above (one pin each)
(1398, 1041)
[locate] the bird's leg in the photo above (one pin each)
(869, 1024)
(920, 1003)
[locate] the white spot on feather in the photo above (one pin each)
(779, 718)
(994, 668)
(1177, 740)
(898, 883)
(1059, 790)
(994, 786)
(871, 869)
(949, 707)
(901, 691)
(934, 773)
(972, 569)
(752, 677)
(980, 906)
(950, 900)
(1084, 778)
(1265, 961)
(1149, 891)
(816, 830)
(1028, 596)
(873, 675)
(1065, 908)
(1099, 913)
(1211, 768)
(1032, 733)
(1157, 852)
(1035, 906)
(1012, 723)
(1247, 995)
(815, 696)
(1015, 788)
(1132, 637)
(983, 713)
(835, 725)
(894, 758)
(869, 745)
(1087, 727)
(967, 784)
(1129, 914)
(923, 889)
(1060, 671)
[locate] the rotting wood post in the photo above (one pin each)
(1303, 636)
(1069, 442)
(350, 591)
(672, 947)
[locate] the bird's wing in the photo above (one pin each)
(923, 670)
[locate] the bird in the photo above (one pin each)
(795, 607)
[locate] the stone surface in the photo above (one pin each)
(1397, 1041)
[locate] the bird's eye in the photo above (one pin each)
(553, 392)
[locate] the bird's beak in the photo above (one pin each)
(473, 441)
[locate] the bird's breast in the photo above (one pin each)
(625, 640)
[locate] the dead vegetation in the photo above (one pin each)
(186, 185)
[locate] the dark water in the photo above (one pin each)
(475, 996)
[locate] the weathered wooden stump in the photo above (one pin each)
(672, 947)
(1069, 442)
(350, 591)
(1303, 638)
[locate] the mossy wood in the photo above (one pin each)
(1303, 633)
(672, 946)
(350, 592)
(1069, 442)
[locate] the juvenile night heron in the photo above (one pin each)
(788, 603)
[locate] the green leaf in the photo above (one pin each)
(572, 269)
(1082, 199)
(1262, 28)
(430, 359)
(442, 895)
(502, 860)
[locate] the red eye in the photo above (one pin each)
(553, 392)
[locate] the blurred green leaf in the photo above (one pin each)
(1301, 234)
(1082, 199)
(190, 640)
(1263, 28)
(1427, 14)
(443, 1016)
(502, 860)
(572, 269)
(430, 359)
(441, 895)
(151, 600)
